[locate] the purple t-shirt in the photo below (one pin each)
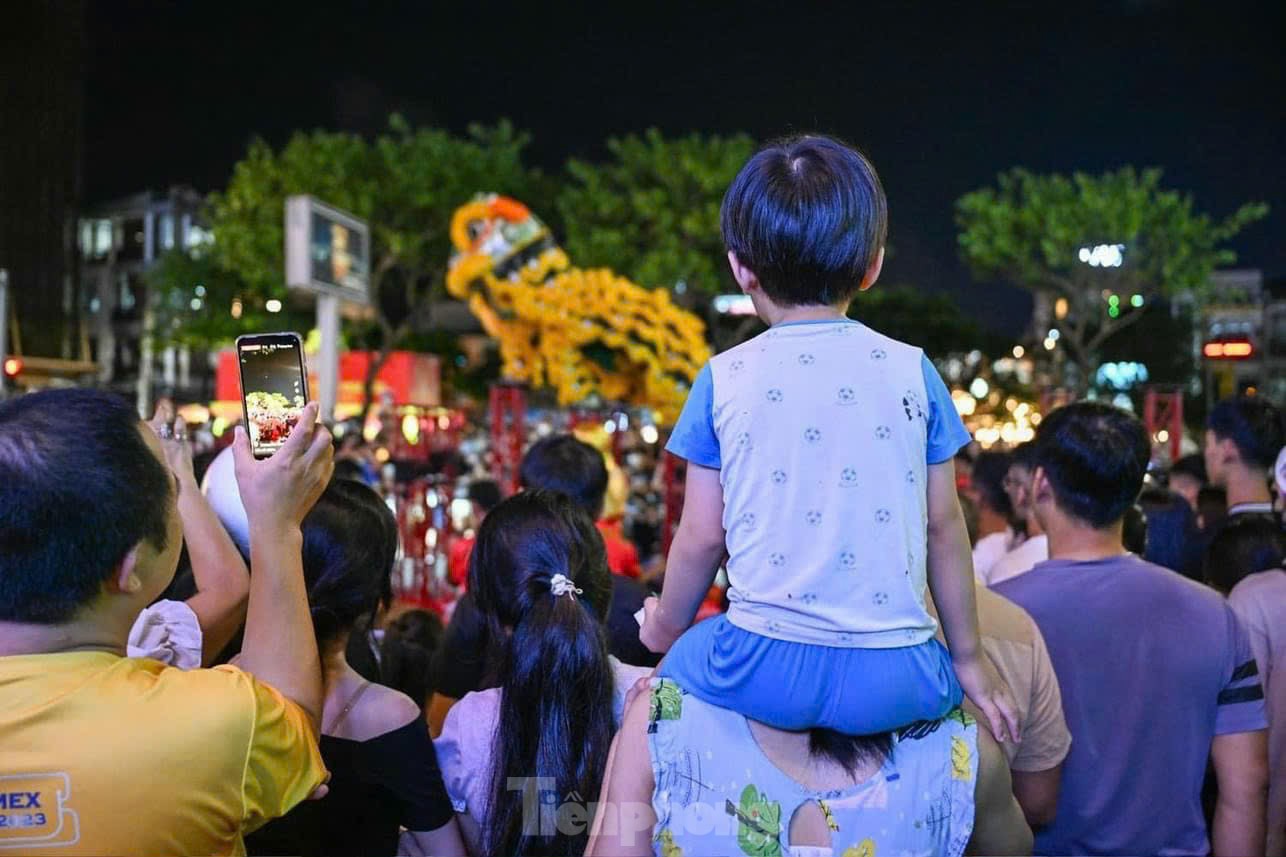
(1152, 666)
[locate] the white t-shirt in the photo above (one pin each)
(989, 549)
(1020, 560)
(823, 433)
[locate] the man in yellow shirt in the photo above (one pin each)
(104, 754)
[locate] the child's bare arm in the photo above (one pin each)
(950, 567)
(950, 562)
(694, 558)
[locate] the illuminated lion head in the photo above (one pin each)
(494, 235)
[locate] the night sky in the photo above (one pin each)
(940, 96)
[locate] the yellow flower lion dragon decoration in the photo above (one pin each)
(579, 332)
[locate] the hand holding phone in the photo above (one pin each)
(278, 492)
(274, 388)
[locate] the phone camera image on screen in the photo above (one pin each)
(273, 386)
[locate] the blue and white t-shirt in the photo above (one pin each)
(823, 433)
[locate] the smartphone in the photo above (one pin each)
(274, 387)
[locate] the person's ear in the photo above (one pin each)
(1228, 452)
(744, 276)
(873, 272)
(125, 579)
(1041, 490)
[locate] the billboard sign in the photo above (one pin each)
(327, 250)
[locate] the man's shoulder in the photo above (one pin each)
(1261, 598)
(1128, 578)
(1001, 619)
(1272, 581)
(1160, 580)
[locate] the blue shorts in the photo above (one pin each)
(798, 686)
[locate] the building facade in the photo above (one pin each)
(119, 241)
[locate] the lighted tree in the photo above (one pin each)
(651, 212)
(1106, 244)
(405, 183)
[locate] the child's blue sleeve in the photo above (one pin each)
(947, 433)
(693, 438)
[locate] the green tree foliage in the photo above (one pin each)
(930, 320)
(406, 184)
(201, 304)
(1029, 229)
(651, 212)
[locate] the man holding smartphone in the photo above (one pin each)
(104, 754)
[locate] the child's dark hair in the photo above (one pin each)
(350, 543)
(1244, 545)
(808, 216)
(556, 724)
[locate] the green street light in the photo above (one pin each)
(1113, 311)
(1114, 300)
(1136, 301)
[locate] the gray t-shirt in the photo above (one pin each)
(1152, 666)
(1260, 603)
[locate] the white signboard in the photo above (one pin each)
(327, 250)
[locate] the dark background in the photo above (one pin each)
(941, 96)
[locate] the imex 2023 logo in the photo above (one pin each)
(34, 812)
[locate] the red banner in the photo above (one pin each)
(412, 378)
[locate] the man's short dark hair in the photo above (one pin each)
(1254, 425)
(564, 464)
(486, 493)
(1193, 465)
(989, 481)
(79, 488)
(1023, 455)
(1095, 457)
(808, 216)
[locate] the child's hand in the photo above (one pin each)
(987, 690)
(653, 631)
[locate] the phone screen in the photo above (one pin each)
(274, 388)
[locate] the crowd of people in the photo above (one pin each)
(1054, 648)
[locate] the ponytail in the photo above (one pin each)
(555, 725)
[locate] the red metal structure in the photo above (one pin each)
(508, 433)
(1163, 411)
(424, 529)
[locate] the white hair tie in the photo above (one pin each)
(561, 584)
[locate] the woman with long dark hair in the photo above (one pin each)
(521, 761)
(385, 791)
